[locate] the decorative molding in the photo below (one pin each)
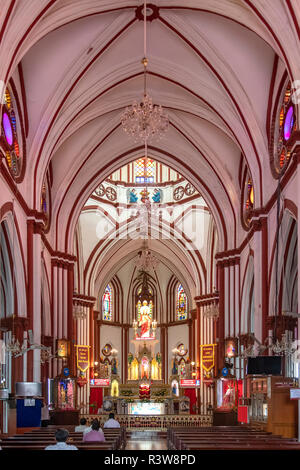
(140, 14)
(283, 323)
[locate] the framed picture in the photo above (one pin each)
(63, 348)
(231, 347)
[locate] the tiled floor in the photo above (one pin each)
(145, 440)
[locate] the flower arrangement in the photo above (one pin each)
(127, 393)
(160, 393)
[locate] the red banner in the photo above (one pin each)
(83, 357)
(100, 382)
(189, 383)
(208, 356)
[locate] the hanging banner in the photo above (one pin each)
(83, 357)
(207, 356)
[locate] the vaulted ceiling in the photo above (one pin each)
(214, 65)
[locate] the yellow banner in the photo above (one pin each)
(83, 357)
(207, 356)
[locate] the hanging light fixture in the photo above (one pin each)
(211, 310)
(146, 260)
(13, 347)
(145, 121)
(79, 312)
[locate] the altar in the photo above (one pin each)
(144, 392)
(151, 408)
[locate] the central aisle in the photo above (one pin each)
(146, 440)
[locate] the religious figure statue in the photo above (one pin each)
(132, 196)
(145, 320)
(114, 366)
(145, 368)
(157, 195)
(175, 367)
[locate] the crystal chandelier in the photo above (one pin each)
(46, 355)
(146, 260)
(145, 121)
(285, 347)
(16, 349)
(79, 312)
(13, 346)
(211, 310)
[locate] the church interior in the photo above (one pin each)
(149, 200)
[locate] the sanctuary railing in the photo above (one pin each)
(154, 422)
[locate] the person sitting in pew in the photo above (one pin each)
(111, 422)
(95, 435)
(61, 436)
(83, 427)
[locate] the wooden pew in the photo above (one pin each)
(227, 438)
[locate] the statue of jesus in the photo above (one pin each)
(145, 320)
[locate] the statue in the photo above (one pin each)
(114, 370)
(175, 367)
(157, 195)
(132, 196)
(145, 320)
(158, 358)
(130, 358)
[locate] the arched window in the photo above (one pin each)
(107, 304)
(284, 123)
(181, 307)
(10, 132)
(144, 170)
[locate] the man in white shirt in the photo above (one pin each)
(111, 422)
(61, 436)
(83, 427)
(45, 416)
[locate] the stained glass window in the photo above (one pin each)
(10, 136)
(181, 303)
(285, 124)
(248, 200)
(107, 304)
(44, 205)
(144, 170)
(249, 195)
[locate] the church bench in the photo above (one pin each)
(39, 446)
(191, 442)
(174, 436)
(264, 446)
(110, 434)
(185, 439)
(185, 443)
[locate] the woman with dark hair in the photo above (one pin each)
(96, 434)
